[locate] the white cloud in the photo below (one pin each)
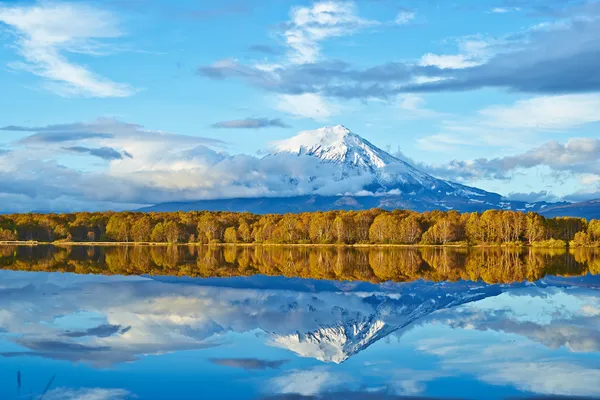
(414, 107)
(308, 105)
(545, 112)
(308, 26)
(455, 61)
(579, 157)
(46, 32)
(503, 10)
(517, 125)
(404, 17)
(472, 51)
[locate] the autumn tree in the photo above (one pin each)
(119, 228)
(211, 227)
(230, 235)
(172, 232)
(141, 229)
(535, 228)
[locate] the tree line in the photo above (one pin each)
(369, 264)
(373, 226)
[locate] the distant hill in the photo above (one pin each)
(587, 209)
(296, 204)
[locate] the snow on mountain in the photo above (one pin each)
(356, 331)
(337, 144)
(357, 156)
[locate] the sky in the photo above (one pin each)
(117, 104)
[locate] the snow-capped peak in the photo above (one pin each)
(336, 144)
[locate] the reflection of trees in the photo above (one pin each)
(589, 257)
(390, 265)
(372, 264)
(497, 265)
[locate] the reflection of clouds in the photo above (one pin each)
(590, 310)
(548, 377)
(248, 363)
(563, 321)
(346, 395)
(100, 356)
(518, 365)
(307, 382)
(575, 338)
(407, 382)
(88, 394)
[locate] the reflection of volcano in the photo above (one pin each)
(328, 321)
(355, 332)
(341, 319)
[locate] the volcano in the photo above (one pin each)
(361, 175)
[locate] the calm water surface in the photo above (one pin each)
(257, 323)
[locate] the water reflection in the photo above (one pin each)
(375, 265)
(276, 337)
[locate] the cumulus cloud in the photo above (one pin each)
(151, 167)
(308, 105)
(44, 41)
(33, 178)
(472, 51)
(541, 59)
(308, 26)
(251, 123)
(578, 156)
(545, 112)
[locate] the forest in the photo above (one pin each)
(374, 227)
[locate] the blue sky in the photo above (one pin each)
(135, 102)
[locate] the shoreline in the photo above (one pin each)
(355, 245)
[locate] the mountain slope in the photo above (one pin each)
(356, 156)
(364, 176)
(587, 209)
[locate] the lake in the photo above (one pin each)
(224, 322)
